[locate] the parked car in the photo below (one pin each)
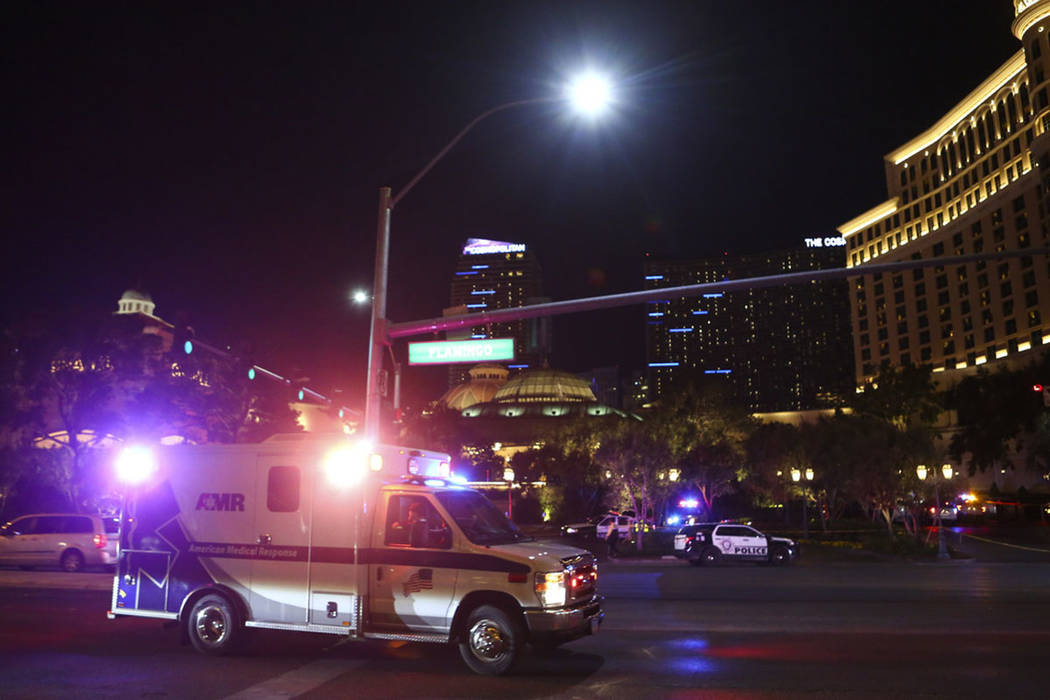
(710, 543)
(68, 540)
(583, 529)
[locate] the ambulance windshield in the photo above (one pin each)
(480, 521)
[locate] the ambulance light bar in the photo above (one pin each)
(135, 464)
(347, 464)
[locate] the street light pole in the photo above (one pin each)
(508, 476)
(377, 334)
(586, 94)
(796, 476)
(946, 471)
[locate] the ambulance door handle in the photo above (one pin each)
(264, 539)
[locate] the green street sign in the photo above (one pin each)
(447, 352)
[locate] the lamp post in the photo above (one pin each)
(946, 473)
(508, 476)
(796, 476)
(589, 94)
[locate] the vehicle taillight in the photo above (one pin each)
(99, 540)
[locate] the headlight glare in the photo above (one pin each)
(550, 588)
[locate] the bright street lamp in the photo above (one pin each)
(796, 476)
(360, 296)
(588, 95)
(947, 472)
(508, 476)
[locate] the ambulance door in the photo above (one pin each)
(282, 518)
(338, 517)
(412, 587)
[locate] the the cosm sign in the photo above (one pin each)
(445, 352)
(828, 242)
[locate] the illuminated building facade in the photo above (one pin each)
(974, 182)
(780, 349)
(500, 275)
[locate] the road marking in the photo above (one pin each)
(297, 681)
(1004, 544)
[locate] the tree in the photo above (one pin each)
(771, 449)
(902, 396)
(705, 432)
(633, 456)
(881, 470)
(994, 410)
(88, 374)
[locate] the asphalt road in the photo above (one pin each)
(672, 631)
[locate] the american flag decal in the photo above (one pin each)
(422, 580)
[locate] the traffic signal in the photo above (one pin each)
(182, 340)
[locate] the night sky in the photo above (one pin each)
(227, 157)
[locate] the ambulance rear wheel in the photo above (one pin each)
(213, 625)
(492, 641)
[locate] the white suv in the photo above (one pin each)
(69, 540)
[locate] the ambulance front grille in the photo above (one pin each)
(582, 577)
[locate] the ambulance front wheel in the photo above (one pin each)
(492, 641)
(213, 625)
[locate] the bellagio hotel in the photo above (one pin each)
(976, 181)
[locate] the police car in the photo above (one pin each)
(710, 543)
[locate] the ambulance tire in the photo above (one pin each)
(492, 641)
(709, 556)
(213, 626)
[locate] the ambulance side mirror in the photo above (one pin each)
(419, 535)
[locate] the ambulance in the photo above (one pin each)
(317, 533)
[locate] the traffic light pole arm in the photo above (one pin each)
(556, 308)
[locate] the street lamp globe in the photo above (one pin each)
(360, 296)
(947, 471)
(809, 474)
(590, 93)
(796, 474)
(920, 471)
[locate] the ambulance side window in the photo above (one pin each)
(282, 490)
(404, 512)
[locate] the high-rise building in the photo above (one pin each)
(780, 349)
(976, 181)
(500, 275)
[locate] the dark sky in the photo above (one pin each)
(227, 157)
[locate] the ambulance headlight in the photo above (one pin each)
(135, 465)
(346, 465)
(550, 588)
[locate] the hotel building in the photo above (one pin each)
(974, 182)
(780, 349)
(500, 275)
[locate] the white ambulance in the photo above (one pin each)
(321, 534)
